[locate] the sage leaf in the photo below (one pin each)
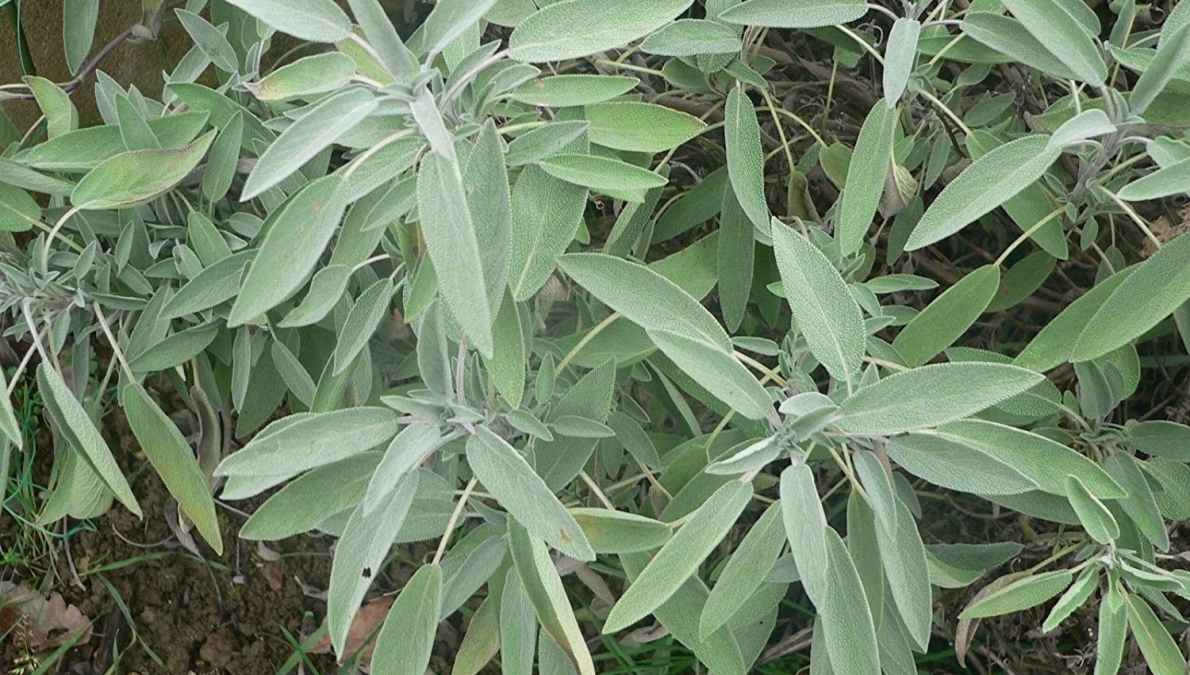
(76, 426)
(929, 396)
(795, 13)
(745, 571)
(1049, 22)
(866, 177)
(406, 639)
(676, 322)
(451, 239)
(1097, 520)
(824, 309)
(513, 483)
(987, 183)
(174, 461)
(364, 544)
(1158, 287)
(640, 127)
(745, 157)
(692, 37)
(285, 260)
(945, 319)
(1022, 594)
(320, 125)
(567, 91)
(899, 58)
(681, 556)
(546, 34)
(316, 20)
(139, 176)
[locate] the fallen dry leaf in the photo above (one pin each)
(48, 623)
(367, 620)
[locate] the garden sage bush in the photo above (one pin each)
(639, 313)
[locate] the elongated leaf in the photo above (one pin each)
(601, 173)
(692, 37)
(745, 157)
(1051, 347)
(546, 214)
(989, 182)
(209, 40)
(490, 203)
(563, 91)
(1007, 36)
(78, 30)
(18, 211)
(548, 34)
(365, 543)
(303, 504)
(326, 288)
(362, 321)
(175, 349)
(866, 177)
(899, 58)
(824, 309)
(849, 631)
(135, 177)
(1074, 598)
(1096, 519)
(407, 451)
(61, 117)
(1113, 633)
(1042, 459)
(482, 641)
(295, 444)
(1023, 594)
(315, 20)
(620, 532)
(1047, 21)
(1164, 182)
(745, 571)
(518, 628)
(305, 77)
(907, 573)
(805, 523)
(449, 20)
(548, 596)
(945, 320)
(298, 232)
(80, 431)
(320, 126)
(383, 38)
(957, 466)
(174, 461)
(216, 284)
(1162, 654)
(406, 640)
(931, 395)
(450, 236)
(640, 127)
(679, 559)
(507, 367)
(795, 13)
(736, 258)
(9, 427)
(1158, 287)
(545, 141)
(510, 479)
(676, 322)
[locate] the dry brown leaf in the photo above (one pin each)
(48, 622)
(367, 620)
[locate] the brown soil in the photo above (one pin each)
(222, 616)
